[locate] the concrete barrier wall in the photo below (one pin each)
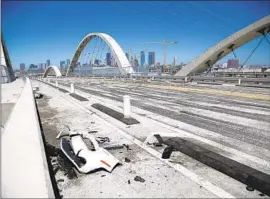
(24, 168)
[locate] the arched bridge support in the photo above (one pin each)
(55, 69)
(226, 46)
(121, 59)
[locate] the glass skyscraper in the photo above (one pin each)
(108, 59)
(142, 58)
(151, 58)
(67, 63)
(48, 63)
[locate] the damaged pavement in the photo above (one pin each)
(139, 173)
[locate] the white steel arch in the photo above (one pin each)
(56, 70)
(121, 59)
(224, 47)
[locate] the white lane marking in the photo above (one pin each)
(235, 108)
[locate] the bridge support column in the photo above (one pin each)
(127, 109)
(72, 89)
(185, 79)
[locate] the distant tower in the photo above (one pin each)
(67, 63)
(48, 63)
(22, 66)
(108, 59)
(174, 61)
(151, 58)
(142, 58)
(62, 65)
(233, 63)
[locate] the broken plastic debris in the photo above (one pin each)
(249, 188)
(157, 144)
(83, 159)
(167, 152)
(140, 179)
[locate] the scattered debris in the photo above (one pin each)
(157, 144)
(38, 95)
(92, 131)
(140, 179)
(127, 160)
(101, 140)
(127, 147)
(92, 122)
(63, 163)
(167, 152)
(66, 166)
(103, 175)
(159, 138)
(249, 188)
(76, 151)
(114, 147)
(261, 194)
(128, 181)
(60, 180)
(56, 169)
(176, 162)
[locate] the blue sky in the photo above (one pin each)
(35, 31)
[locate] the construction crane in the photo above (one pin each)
(165, 42)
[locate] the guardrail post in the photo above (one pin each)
(72, 89)
(56, 83)
(127, 109)
(239, 81)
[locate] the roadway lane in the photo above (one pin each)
(184, 105)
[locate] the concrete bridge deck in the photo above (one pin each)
(232, 121)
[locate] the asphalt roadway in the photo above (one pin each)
(199, 109)
(232, 121)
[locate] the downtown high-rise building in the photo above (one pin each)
(108, 59)
(62, 65)
(174, 61)
(151, 58)
(48, 63)
(40, 66)
(136, 62)
(67, 62)
(22, 66)
(142, 58)
(233, 63)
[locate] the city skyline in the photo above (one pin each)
(25, 46)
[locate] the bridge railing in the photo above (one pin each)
(24, 166)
